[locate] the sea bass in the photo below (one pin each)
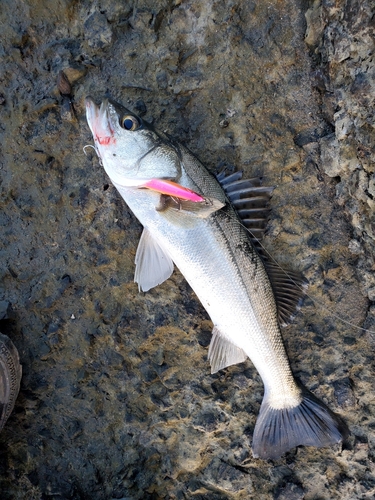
(190, 220)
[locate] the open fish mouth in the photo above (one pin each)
(99, 121)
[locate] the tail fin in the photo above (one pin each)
(310, 423)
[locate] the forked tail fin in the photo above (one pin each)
(310, 423)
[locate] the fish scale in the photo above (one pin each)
(208, 242)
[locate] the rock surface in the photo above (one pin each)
(117, 400)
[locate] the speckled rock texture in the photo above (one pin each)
(117, 400)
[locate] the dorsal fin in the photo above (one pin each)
(251, 201)
(288, 288)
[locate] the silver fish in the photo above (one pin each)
(190, 220)
(10, 377)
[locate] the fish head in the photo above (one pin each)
(131, 151)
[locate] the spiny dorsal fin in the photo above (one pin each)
(250, 200)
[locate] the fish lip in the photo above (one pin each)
(99, 120)
(91, 112)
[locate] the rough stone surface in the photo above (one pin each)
(117, 400)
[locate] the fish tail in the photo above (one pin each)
(310, 423)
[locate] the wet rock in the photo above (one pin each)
(315, 24)
(162, 79)
(75, 72)
(63, 84)
(117, 395)
(344, 391)
(140, 107)
(225, 476)
(290, 491)
(329, 157)
(4, 309)
(98, 31)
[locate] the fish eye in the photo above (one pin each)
(129, 122)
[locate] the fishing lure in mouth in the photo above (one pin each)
(173, 189)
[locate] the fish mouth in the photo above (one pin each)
(99, 121)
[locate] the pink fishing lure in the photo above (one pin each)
(173, 189)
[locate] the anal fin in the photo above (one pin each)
(223, 353)
(152, 264)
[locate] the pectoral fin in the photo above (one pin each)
(177, 197)
(152, 264)
(200, 209)
(223, 353)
